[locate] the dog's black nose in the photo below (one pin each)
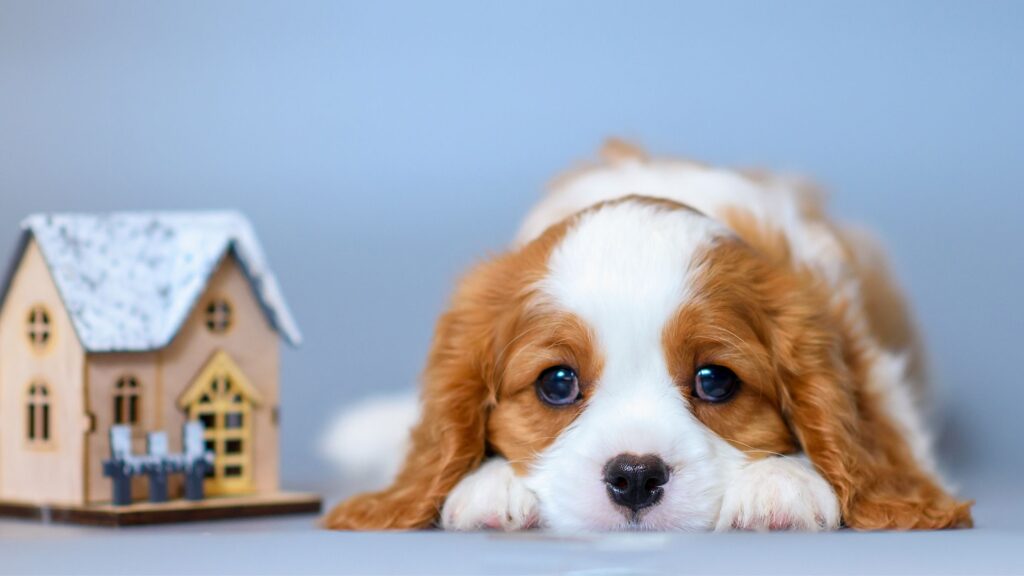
(635, 481)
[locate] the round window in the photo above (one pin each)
(218, 316)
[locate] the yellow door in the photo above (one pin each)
(222, 398)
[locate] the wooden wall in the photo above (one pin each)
(164, 375)
(49, 472)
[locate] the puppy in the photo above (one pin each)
(671, 346)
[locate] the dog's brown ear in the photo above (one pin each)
(845, 430)
(827, 396)
(449, 439)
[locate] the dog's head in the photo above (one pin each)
(628, 362)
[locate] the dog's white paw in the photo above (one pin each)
(491, 497)
(779, 493)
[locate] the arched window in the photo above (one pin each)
(38, 418)
(126, 401)
(218, 315)
(38, 328)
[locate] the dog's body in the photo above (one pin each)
(671, 346)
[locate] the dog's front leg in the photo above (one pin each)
(491, 497)
(779, 493)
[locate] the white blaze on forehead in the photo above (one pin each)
(623, 269)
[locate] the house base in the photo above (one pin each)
(140, 513)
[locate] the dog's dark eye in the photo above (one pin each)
(558, 386)
(715, 383)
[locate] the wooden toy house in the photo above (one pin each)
(147, 320)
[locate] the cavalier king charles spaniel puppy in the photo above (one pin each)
(671, 346)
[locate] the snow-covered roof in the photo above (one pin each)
(130, 279)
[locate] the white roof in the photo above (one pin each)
(129, 280)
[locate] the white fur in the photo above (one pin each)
(887, 378)
(779, 493)
(624, 271)
(492, 497)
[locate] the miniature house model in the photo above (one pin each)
(146, 320)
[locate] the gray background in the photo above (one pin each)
(382, 147)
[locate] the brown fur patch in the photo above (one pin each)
(520, 425)
(617, 150)
(889, 317)
(727, 323)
